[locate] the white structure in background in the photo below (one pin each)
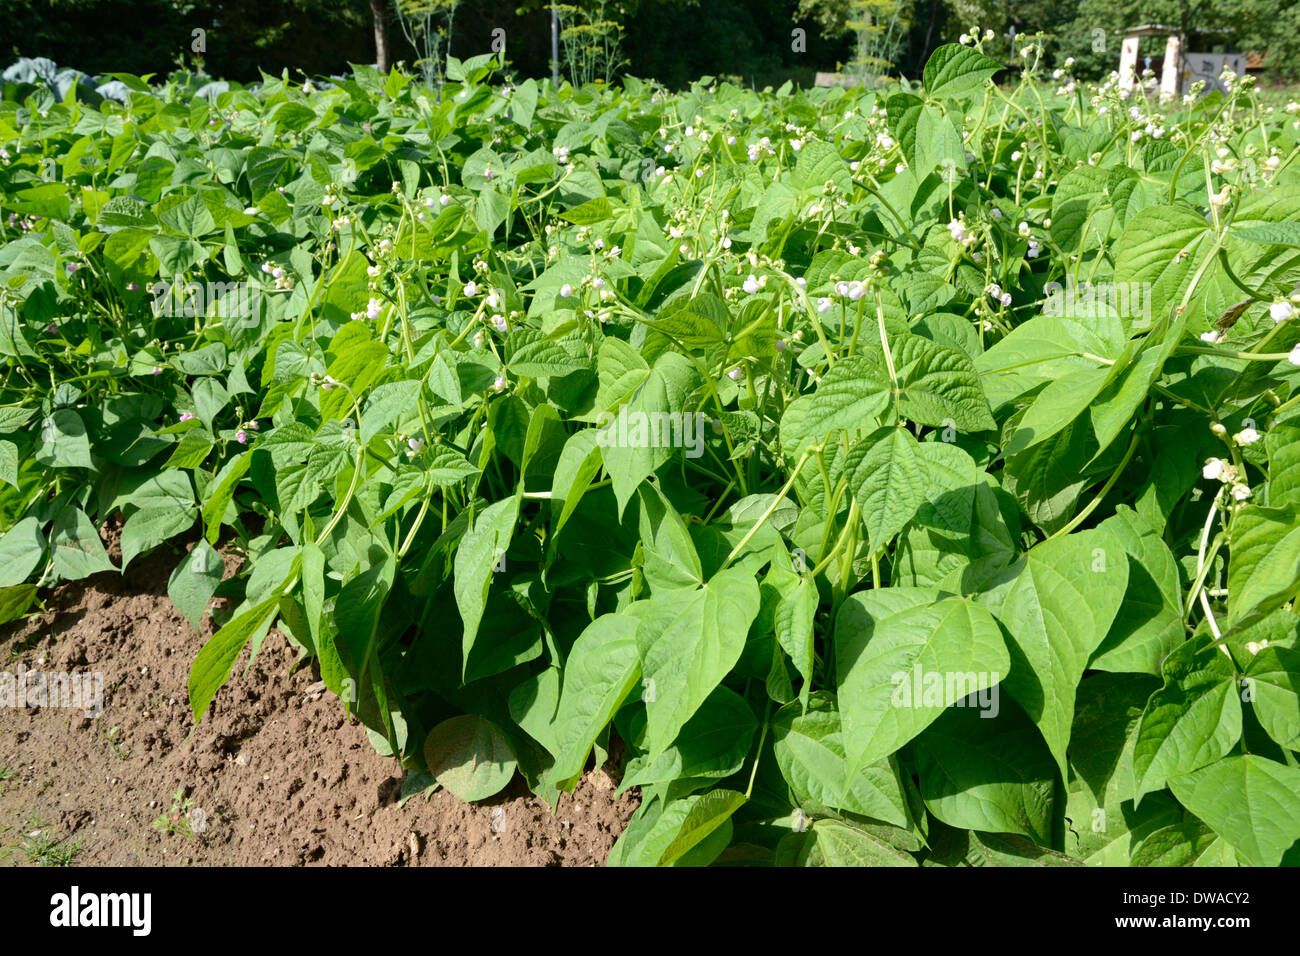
(1208, 66)
(1173, 80)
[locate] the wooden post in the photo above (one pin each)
(1128, 59)
(1171, 75)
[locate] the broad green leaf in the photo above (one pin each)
(793, 620)
(149, 527)
(955, 71)
(533, 705)
(1056, 406)
(671, 560)
(937, 146)
(1283, 444)
(810, 751)
(705, 815)
(447, 467)
(195, 580)
(665, 835)
(1123, 396)
(15, 600)
(1190, 843)
(851, 396)
(888, 476)
(818, 163)
(21, 551)
(700, 323)
(220, 493)
(1273, 682)
(479, 555)
(590, 212)
(1057, 612)
(1264, 561)
(357, 613)
(621, 370)
(987, 770)
(579, 463)
(1044, 350)
(385, 404)
(836, 843)
(64, 443)
(641, 439)
(332, 669)
(1193, 720)
(1046, 479)
(470, 757)
(1149, 624)
(75, 544)
(533, 354)
(688, 641)
(904, 655)
(1103, 827)
(938, 385)
(713, 744)
(1163, 246)
(1250, 801)
(1273, 234)
(600, 672)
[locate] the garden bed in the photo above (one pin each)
(281, 775)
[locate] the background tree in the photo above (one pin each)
(428, 26)
(674, 41)
(879, 30)
(379, 14)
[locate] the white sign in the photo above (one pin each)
(1208, 66)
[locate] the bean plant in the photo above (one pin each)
(895, 477)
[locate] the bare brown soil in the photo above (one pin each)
(281, 775)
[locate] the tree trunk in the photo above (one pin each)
(929, 30)
(379, 13)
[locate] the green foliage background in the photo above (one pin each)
(674, 41)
